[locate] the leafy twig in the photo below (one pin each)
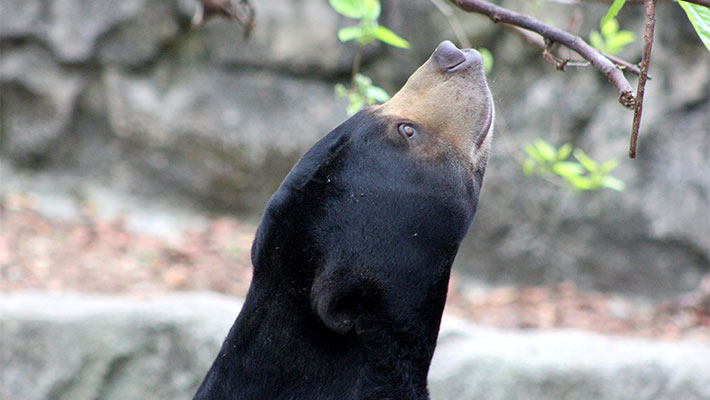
(598, 60)
(650, 10)
(362, 92)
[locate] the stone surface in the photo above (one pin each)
(297, 36)
(222, 148)
(73, 27)
(478, 363)
(65, 346)
(38, 97)
(138, 40)
(20, 18)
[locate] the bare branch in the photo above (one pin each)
(650, 8)
(625, 65)
(598, 60)
(704, 3)
(539, 42)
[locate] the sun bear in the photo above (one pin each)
(353, 254)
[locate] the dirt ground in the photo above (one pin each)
(101, 256)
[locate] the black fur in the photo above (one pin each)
(351, 267)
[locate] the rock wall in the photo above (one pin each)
(70, 347)
(125, 94)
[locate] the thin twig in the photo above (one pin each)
(356, 65)
(548, 54)
(499, 14)
(625, 65)
(454, 22)
(650, 9)
(705, 3)
(537, 41)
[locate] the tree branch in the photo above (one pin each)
(539, 42)
(598, 60)
(650, 8)
(704, 3)
(625, 65)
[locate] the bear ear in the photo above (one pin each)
(333, 312)
(335, 299)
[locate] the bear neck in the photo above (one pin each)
(301, 358)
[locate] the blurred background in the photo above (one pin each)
(138, 153)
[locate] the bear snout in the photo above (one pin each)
(450, 59)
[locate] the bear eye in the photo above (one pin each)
(407, 130)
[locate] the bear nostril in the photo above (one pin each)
(447, 56)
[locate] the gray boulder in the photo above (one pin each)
(38, 98)
(480, 363)
(72, 347)
(295, 36)
(138, 40)
(71, 28)
(77, 347)
(221, 148)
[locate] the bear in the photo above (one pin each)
(351, 260)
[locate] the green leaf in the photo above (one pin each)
(612, 12)
(340, 91)
(610, 28)
(564, 151)
(609, 166)
(597, 41)
(529, 166)
(390, 37)
(613, 183)
(699, 16)
(356, 103)
(377, 93)
(349, 33)
(546, 150)
(487, 59)
(372, 9)
(368, 32)
(567, 169)
(618, 41)
(362, 82)
(349, 8)
(579, 182)
(586, 161)
(533, 153)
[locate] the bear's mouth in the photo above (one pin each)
(451, 59)
(447, 56)
(454, 67)
(486, 130)
(470, 56)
